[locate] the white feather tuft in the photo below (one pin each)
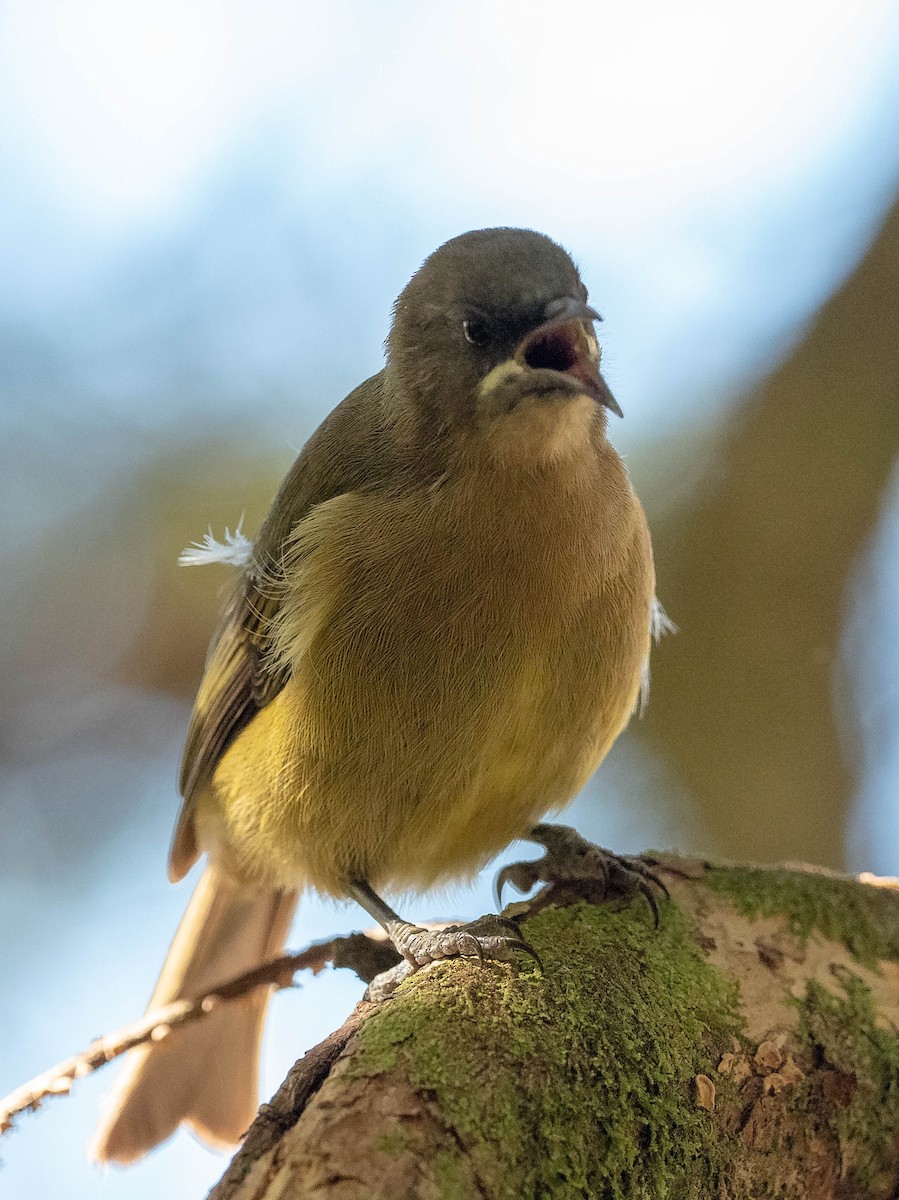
(659, 621)
(659, 624)
(235, 550)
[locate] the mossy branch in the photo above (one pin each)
(747, 1047)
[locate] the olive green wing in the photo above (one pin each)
(236, 684)
(348, 451)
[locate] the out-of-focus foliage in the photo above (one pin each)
(751, 703)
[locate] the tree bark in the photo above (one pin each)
(747, 1047)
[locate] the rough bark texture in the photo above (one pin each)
(747, 1047)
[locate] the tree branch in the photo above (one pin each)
(747, 1047)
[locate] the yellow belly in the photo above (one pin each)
(456, 674)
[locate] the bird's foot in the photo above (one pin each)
(575, 869)
(489, 938)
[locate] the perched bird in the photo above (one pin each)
(440, 630)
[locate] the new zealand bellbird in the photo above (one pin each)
(440, 632)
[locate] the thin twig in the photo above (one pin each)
(361, 952)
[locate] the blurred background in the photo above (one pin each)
(206, 211)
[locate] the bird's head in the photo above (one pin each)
(493, 337)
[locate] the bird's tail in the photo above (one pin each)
(206, 1073)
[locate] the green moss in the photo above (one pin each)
(860, 1068)
(452, 1180)
(864, 919)
(393, 1143)
(573, 1083)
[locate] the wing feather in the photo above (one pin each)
(346, 452)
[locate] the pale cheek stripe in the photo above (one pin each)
(500, 374)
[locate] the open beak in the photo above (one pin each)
(565, 343)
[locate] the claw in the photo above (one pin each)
(659, 882)
(651, 901)
(470, 940)
(646, 878)
(522, 876)
(527, 948)
(503, 878)
(572, 862)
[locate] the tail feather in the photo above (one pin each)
(204, 1074)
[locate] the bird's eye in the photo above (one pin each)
(475, 331)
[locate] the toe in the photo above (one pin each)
(572, 867)
(521, 875)
(488, 938)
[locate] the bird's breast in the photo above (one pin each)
(482, 579)
(461, 658)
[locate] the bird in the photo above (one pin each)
(439, 631)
